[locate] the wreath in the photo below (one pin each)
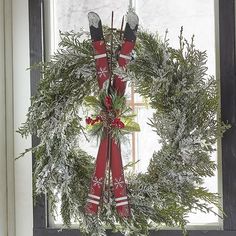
(185, 100)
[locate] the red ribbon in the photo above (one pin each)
(109, 149)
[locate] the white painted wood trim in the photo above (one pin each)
(16, 208)
(9, 121)
(3, 165)
(21, 91)
(14, 59)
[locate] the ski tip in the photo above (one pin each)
(131, 26)
(95, 25)
(94, 19)
(132, 19)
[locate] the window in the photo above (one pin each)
(227, 75)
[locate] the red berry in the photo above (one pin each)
(117, 123)
(93, 122)
(88, 120)
(117, 120)
(122, 125)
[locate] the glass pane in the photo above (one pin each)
(72, 14)
(199, 218)
(146, 138)
(196, 17)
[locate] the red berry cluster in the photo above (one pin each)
(117, 123)
(90, 121)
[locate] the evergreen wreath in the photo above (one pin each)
(185, 102)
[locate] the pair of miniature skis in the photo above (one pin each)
(109, 149)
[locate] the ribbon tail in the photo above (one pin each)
(118, 181)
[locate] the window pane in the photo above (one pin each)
(146, 138)
(196, 17)
(72, 14)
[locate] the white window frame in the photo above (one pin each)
(16, 207)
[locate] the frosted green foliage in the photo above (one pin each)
(185, 100)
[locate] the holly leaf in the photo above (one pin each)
(131, 116)
(94, 129)
(91, 101)
(132, 127)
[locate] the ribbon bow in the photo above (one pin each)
(109, 153)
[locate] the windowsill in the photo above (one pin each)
(209, 226)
